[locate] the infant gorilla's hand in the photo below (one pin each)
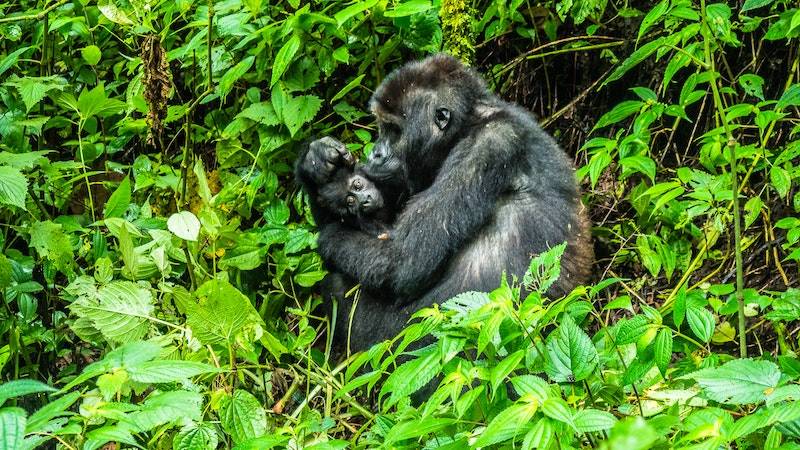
(324, 157)
(383, 236)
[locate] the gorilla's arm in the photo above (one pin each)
(436, 222)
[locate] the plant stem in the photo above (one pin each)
(38, 16)
(731, 145)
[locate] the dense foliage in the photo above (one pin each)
(157, 263)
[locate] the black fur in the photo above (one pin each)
(489, 189)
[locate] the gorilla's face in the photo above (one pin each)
(417, 135)
(351, 195)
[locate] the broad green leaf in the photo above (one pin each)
(13, 187)
(499, 372)
(91, 54)
(353, 10)
(50, 242)
(8, 61)
(531, 385)
(233, 74)
(701, 321)
(119, 201)
(349, 87)
(544, 269)
(284, 58)
(635, 58)
(656, 14)
(410, 377)
(781, 180)
(541, 435)
(201, 436)
(754, 4)
(557, 409)
(408, 8)
(167, 371)
(591, 420)
(121, 310)
(792, 95)
(511, 422)
(633, 433)
(221, 313)
(18, 388)
(39, 419)
(618, 113)
(12, 428)
(160, 408)
(416, 428)
(571, 354)
(94, 102)
(185, 225)
(242, 416)
(630, 330)
(299, 111)
(641, 164)
(739, 382)
(662, 350)
(112, 13)
(33, 89)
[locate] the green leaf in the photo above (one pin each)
(201, 436)
(114, 14)
(95, 103)
(221, 313)
(299, 111)
(408, 8)
(353, 10)
(50, 242)
(13, 187)
(119, 201)
(653, 17)
(509, 423)
(33, 89)
(662, 350)
(571, 355)
(242, 416)
(634, 59)
(120, 310)
(621, 111)
(284, 58)
(781, 180)
(39, 419)
(349, 87)
(12, 58)
(754, 4)
(557, 409)
(738, 382)
(410, 377)
(792, 95)
(12, 428)
(167, 371)
(499, 372)
(641, 164)
(630, 330)
(231, 75)
(185, 225)
(18, 388)
(592, 420)
(701, 321)
(416, 428)
(544, 269)
(165, 407)
(91, 54)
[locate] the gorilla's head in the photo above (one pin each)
(350, 195)
(422, 109)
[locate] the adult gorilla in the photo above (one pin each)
(489, 190)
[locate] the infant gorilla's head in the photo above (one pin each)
(351, 194)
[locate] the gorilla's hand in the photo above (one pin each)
(323, 158)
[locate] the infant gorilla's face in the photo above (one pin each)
(351, 195)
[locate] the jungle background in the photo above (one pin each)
(157, 263)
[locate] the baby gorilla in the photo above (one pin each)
(359, 202)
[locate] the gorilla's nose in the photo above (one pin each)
(379, 154)
(367, 200)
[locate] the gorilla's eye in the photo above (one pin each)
(357, 184)
(351, 200)
(442, 117)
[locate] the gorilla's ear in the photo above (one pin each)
(442, 117)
